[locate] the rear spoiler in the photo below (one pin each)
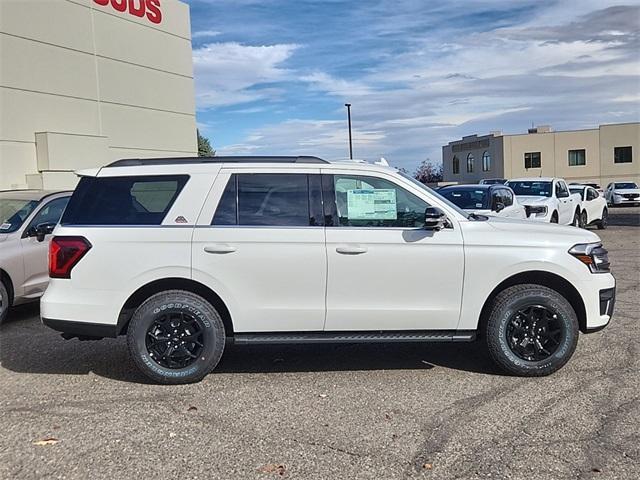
(88, 172)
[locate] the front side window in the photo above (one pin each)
(266, 199)
(580, 191)
(14, 212)
(50, 214)
(486, 162)
(622, 155)
(363, 201)
(592, 194)
(456, 165)
(532, 160)
(470, 161)
(138, 200)
(577, 158)
(561, 190)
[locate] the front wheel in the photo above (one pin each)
(176, 337)
(554, 217)
(583, 219)
(4, 302)
(604, 220)
(576, 219)
(532, 330)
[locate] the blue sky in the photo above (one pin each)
(272, 76)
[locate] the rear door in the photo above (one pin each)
(385, 272)
(263, 249)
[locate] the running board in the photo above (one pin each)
(355, 337)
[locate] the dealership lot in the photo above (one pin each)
(347, 411)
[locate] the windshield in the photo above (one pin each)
(433, 192)
(579, 191)
(469, 199)
(626, 185)
(493, 181)
(14, 212)
(532, 188)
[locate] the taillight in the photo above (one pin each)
(65, 253)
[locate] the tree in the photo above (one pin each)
(428, 172)
(204, 147)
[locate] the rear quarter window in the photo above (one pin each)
(139, 200)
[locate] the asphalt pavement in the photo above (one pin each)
(71, 409)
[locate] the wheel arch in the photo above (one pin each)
(6, 279)
(538, 277)
(158, 286)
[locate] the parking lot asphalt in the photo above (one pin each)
(346, 411)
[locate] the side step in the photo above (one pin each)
(355, 337)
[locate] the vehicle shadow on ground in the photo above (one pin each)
(26, 346)
(618, 217)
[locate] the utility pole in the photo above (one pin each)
(348, 105)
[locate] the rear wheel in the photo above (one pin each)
(583, 219)
(604, 221)
(176, 337)
(4, 301)
(532, 330)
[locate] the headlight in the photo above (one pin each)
(538, 210)
(593, 255)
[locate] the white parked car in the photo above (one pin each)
(622, 193)
(485, 199)
(547, 200)
(593, 207)
(27, 218)
(185, 255)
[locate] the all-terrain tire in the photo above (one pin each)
(176, 306)
(506, 306)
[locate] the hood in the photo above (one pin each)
(528, 232)
(531, 199)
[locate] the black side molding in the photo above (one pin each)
(81, 330)
(355, 337)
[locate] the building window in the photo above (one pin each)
(622, 155)
(456, 164)
(470, 160)
(486, 162)
(577, 158)
(532, 160)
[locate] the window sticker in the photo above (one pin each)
(5, 226)
(478, 205)
(372, 204)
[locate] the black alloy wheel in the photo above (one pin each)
(175, 340)
(534, 333)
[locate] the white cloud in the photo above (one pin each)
(230, 73)
(205, 34)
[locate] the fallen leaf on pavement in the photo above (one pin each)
(323, 395)
(46, 441)
(427, 466)
(273, 468)
(192, 409)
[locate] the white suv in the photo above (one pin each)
(185, 255)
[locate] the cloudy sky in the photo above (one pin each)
(272, 76)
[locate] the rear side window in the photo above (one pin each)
(140, 200)
(268, 199)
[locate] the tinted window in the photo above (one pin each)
(467, 198)
(50, 213)
(561, 190)
(622, 155)
(592, 194)
(362, 201)
(507, 197)
(532, 160)
(227, 211)
(142, 200)
(579, 191)
(273, 199)
(625, 185)
(542, 189)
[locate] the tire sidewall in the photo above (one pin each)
(4, 302)
(208, 320)
(569, 335)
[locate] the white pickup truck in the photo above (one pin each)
(547, 200)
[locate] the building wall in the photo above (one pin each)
(554, 149)
(82, 84)
(476, 146)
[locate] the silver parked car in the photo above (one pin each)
(27, 218)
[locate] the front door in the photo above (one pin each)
(385, 272)
(565, 215)
(264, 251)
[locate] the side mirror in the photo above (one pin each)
(498, 207)
(44, 229)
(434, 219)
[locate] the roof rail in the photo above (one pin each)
(133, 162)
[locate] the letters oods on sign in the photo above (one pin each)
(137, 8)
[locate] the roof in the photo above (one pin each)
(29, 194)
(532, 179)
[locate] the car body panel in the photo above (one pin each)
(617, 195)
(565, 206)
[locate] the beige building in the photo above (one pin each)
(600, 155)
(84, 82)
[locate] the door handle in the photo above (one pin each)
(219, 249)
(351, 250)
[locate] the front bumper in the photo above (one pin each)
(622, 200)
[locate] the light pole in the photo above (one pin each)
(348, 105)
